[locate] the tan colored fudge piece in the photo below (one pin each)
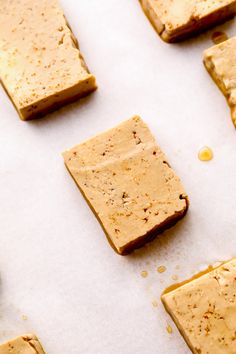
(126, 180)
(220, 63)
(41, 67)
(177, 19)
(26, 344)
(204, 310)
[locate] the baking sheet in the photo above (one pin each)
(57, 269)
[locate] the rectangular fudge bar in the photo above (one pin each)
(41, 67)
(204, 310)
(27, 344)
(128, 183)
(177, 19)
(220, 63)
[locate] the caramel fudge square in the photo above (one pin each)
(177, 19)
(41, 67)
(220, 61)
(27, 344)
(204, 310)
(128, 183)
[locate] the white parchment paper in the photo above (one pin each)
(56, 266)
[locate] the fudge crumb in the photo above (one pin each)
(175, 277)
(169, 329)
(24, 317)
(161, 269)
(205, 154)
(144, 274)
(154, 303)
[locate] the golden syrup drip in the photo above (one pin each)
(205, 154)
(144, 274)
(161, 269)
(219, 37)
(169, 329)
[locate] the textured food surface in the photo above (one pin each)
(27, 344)
(173, 18)
(220, 62)
(54, 254)
(125, 178)
(40, 64)
(204, 310)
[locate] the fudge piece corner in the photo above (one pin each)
(219, 62)
(41, 66)
(176, 20)
(203, 309)
(24, 344)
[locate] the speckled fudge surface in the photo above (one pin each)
(204, 310)
(220, 63)
(127, 181)
(41, 67)
(26, 344)
(177, 19)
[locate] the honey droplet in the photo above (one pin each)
(169, 329)
(154, 303)
(205, 154)
(144, 274)
(219, 37)
(161, 269)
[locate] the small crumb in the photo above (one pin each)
(144, 274)
(177, 267)
(161, 269)
(24, 317)
(205, 154)
(175, 277)
(169, 329)
(154, 303)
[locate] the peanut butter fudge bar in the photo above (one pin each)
(220, 63)
(41, 67)
(177, 19)
(128, 183)
(204, 310)
(27, 344)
